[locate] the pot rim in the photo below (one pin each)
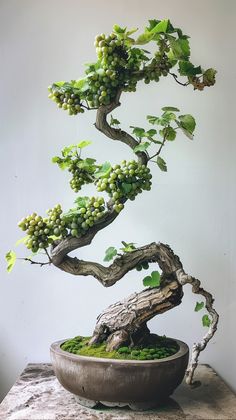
(56, 348)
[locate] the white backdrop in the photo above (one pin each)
(191, 207)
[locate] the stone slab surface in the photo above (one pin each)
(37, 395)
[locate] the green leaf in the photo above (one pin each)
(87, 164)
(126, 187)
(83, 144)
(11, 259)
(206, 322)
(132, 31)
(66, 151)
(180, 48)
(128, 246)
(161, 27)
(153, 120)
(144, 38)
(199, 306)
(209, 77)
(168, 133)
(59, 84)
(149, 34)
(114, 121)
(152, 24)
(152, 281)
(110, 253)
(138, 131)
(56, 159)
(151, 132)
(22, 240)
(81, 84)
(119, 30)
(187, 69)
(162, 164)
(170, 108)
(142, 147)
(188, 124)
(104, 170)
(80, 202)
(167, 117)
(62, 163)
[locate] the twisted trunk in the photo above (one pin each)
(125, 322)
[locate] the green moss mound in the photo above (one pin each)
(162, 347)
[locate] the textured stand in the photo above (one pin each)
(37, 395)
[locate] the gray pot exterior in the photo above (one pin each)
(123, 381)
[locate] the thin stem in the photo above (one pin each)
(159, 150)
(35, 262)
(176, 79)
(47, 253)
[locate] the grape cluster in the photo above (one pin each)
(80, 176)
(102, 87)
(40, 230)
(125, 181)
(111, 51)
(56, 224)
(79, 221)
(67, 98)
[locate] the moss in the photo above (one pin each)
(162, 347)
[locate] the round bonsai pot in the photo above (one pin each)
(114, 382)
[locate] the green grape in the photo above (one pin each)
(83, 218)
(67, 98)
(40, 230)
(124, 182)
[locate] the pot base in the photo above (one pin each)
(141, 406)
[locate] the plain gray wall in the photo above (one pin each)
(191, 207)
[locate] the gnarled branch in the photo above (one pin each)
(107, 276)
(116, 133)
(63, 247)
(183, 279)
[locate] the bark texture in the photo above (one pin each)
(122, 323)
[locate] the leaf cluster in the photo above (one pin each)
(167, 125)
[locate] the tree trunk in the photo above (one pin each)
(124, 323)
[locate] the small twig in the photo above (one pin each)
(47, 253)
(87, 106)
(176, 79)
(35, 262)
(159, 150)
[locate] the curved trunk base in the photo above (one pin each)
(125, 323)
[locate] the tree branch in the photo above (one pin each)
(107, 276)
(63, 247)
(116, 133)
(183, 279)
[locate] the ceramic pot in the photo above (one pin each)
(114, 382)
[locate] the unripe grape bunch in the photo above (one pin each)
(124, 182)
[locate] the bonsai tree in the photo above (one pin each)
(122, 62)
